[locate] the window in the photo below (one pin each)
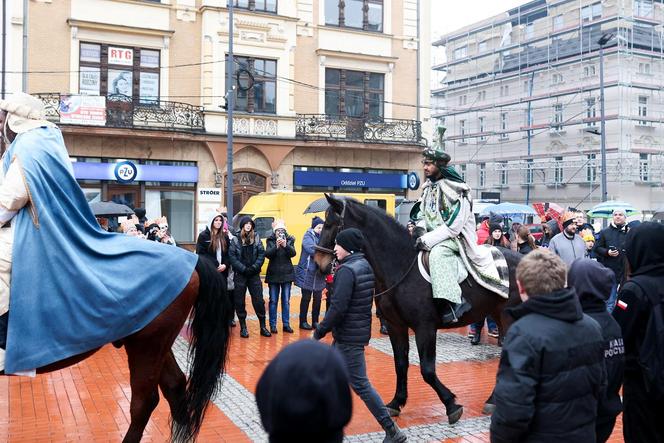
(263, 96)
(591, 111)
(257, 5)
(483, 46)
(526, 87)
(644, 68)
(529, 31)
(643, 8)
(503, 121)
(463, 172)
(354, 93)
(591, 168)
(591, 12)
(482, 177)
(359, 14)
(480, 121)
(529, 171)
(557, 117)
(556, 78)
(558, 22)
(644, 167)
(462, 130)
(481, 95)
(463, 99)
(504, 90)
(120, 73)
(460, 52)
(502, 170)
(558, 170)
(589, 70)
(177, 206)
(643, 109)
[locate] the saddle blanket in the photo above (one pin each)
(499, 287)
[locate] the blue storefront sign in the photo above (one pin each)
(353, 180)
(128, 172)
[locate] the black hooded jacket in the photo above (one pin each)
(593, 283)
(612, 236)
(644, 250)
(280, 266)
(551, 373)
(204, 249)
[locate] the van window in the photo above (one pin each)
(264, 226)
(376, 203)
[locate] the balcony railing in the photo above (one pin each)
(120, 111)
(369, 130)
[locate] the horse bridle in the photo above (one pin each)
(331, 252)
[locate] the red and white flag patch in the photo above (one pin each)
(622, 305)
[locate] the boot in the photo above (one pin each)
(288, 329)
(394, 435)
(306, 326)
(264, 331)
(244, 332)
(476, 338)
(455, 311)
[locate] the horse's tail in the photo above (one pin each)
(208, 350)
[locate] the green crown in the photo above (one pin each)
(436, 153)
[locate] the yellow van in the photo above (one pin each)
(266, 207)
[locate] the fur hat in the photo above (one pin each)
(24, 112)
(303, 394)
(351, 239)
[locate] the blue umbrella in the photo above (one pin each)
(509, 209)
(605, 209)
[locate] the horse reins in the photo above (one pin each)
(331, 252)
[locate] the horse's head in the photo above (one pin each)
(324, 255)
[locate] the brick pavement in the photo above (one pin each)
(90, 401)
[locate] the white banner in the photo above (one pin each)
(210, 195)
(83, 110)
(120, 56)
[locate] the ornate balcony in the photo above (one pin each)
(122, 112)
(340, 127)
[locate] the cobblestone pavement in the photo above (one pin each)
(90, 401)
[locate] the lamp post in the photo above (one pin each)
(230, 103)
(604, 39)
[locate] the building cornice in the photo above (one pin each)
(72, 22)
(239, 11)
(356, 56)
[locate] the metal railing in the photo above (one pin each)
(119, 111)
(369, 130)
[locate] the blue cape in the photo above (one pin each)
(75, 287)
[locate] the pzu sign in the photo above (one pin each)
(125, 172)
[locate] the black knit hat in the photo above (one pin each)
(246, 219)
(303, 394)
(351, 239)
(316, 221)
(495, 227)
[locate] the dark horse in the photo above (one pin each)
(152, 363)
(408, 302)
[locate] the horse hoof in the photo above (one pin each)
(393, 412)
(455, 415)
(488, 408)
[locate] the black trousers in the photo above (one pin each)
(643, 415)
(603, 430)
(255, 287)
(315, 308)
(4, 322)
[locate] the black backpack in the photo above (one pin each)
(651, 354)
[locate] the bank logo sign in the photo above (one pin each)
(125, 172)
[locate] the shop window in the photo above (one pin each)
(177, 206)
(354, 93)
(263, 226)
(359, 14)
(263, 96)
(121, 73)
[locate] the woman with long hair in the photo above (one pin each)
(525, 242)
(497, 237)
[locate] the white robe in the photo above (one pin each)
(13, 196)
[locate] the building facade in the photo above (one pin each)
(138, 88)
(520, 99)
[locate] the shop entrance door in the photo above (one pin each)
(125, 195)
(246, 184)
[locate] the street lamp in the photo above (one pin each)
(604, 39)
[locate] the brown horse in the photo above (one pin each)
(152, 363)
(407, 301)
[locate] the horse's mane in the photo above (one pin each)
(377, 218)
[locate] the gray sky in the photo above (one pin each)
(448, 15)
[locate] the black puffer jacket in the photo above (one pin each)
(612, 236)
(349, 316)
(593, 283)
(280, 267)
(551, 373)
(246, 259)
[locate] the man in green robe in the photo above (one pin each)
(445, 213)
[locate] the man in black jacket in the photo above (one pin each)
(593, 283)
(552, 369)
(349, 319)
(609, 251)
(643, 416)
